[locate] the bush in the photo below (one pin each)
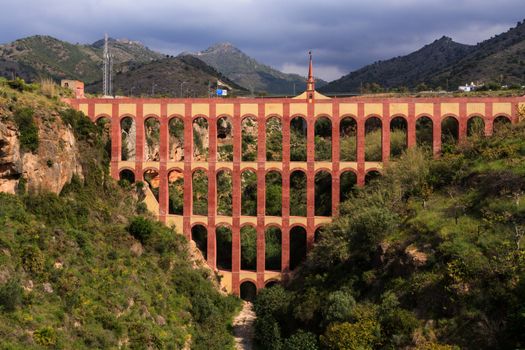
(45, 336)
(10, 295)
(141, 228)
(33, 260)
(28, 130)
(301, 341)
(268, 333)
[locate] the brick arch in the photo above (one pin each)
(380, 171)
(271, 280)
(152, 115)
(298, 224)
(347, 169)
(348, 115)
(102, 115)
(248, 224)
(424, 115)
(327, 170)
(374, 115)
(199, 168)
(248, 115)
(225, 169)
(273, 115)
(449, 115)
(197, 116)
(223, 224)
(176, 115)
(199, 223)
(175, 168)
(297, 115)
(324, 115)
(298, 168)
(150, 168)
(273, 169)
(121, 169)
(127, 115)
(273, 224)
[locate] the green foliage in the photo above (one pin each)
(339, 307)
(45, 336)
(267, 333)
(141, 228)
(10, 295)
(27, 128)
(83, 127)
(20, 85)
(301, 341)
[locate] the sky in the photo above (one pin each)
(343, 35)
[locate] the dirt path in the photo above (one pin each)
(243, 327)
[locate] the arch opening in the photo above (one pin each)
(297, 246)
(274, 140)
(223, 236)
(323, 193)
(249, 139)
(127, 176)
(271, 284)
(298, 193)
(200, 192)
(201, 139)
(248, 291)
(199, 234)
(176, 139)
(323, 139)
(298, 130)
(347, 185)
(248, 248)
(373, 140)
(449, 133)
(348, 139)
(152, 178)
(224, 193)
(398, 136)
(273, 246)
(175, 192)
(372, 175)
(128, 139)
(249, 193)
(224, 139)
(501, 123)
(104, 128)
(274, 192)
(152, 137)
(475, 127)
(425, 133)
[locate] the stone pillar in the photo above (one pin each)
(360, 144)
(310, 176)
(163, 171)
(139, 144)
(236, 200)
(335, 158)
(285, 176)
(212, 186)
(436, 130)
(116, 139)
(188, 176)
(385, 134)
(261, 193)
(489, 119)
(411, 125)
(462, 122)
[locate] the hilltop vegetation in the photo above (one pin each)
(89, 268)
(430, 256)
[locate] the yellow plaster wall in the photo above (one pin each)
(399, 108)
(249, 108)
(348, 108)
(475, 108)
(298, 108)
(273, 108)
(127, 108)
(323, 108)
(103, 108)
(83, 107)
(424, 108)
(200, 108)
(499, 108)
(151, 108)
(373, 108)
(175, 109)
(450, 108)
(224, 109)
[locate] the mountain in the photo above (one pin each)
(164, 77)
(45, 56)
(407, 70)
(446, 63)
(251, 74)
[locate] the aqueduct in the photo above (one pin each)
(347, 124)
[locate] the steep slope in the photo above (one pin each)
(500, 59)
(249, 73)
(87, 268)
(45, 56)
(407, 70)
(164, 78)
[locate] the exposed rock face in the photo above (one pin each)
(50, 168)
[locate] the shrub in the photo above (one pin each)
(45, 336)
(268, 333)
(351, 336)
(10, 295)
(141, 228)
(301, 341)
(33, 260)
(27, 128)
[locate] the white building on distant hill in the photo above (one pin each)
(469, 87)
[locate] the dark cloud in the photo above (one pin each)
(344, 34)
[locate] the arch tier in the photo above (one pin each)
(285, 109)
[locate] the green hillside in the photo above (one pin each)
(430, 256)
(89, 268)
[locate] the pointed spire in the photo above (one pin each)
(310, 84)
